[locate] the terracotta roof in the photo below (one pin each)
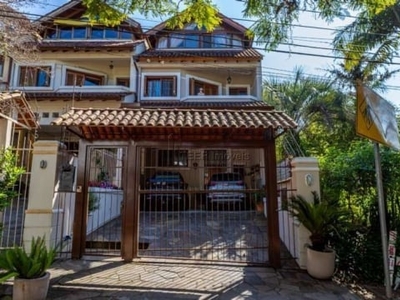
(16, 100)
(222, 53)
(152, 117)
(77, 96)
(88, 45)
(201, 104)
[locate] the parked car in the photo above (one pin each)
(226, 187)
(165, 189)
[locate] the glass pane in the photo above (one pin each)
(207, 41)
(111, 33)
(92, 81)
(42, 78)
(163, 43)
(126, 35)
(219, 41)
(51, 34)
(97, 33)
(79, 33)
(192, 41)
(177, 40)
(236, 42)
(66, 33)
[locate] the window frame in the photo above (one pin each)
(193, 79)
(177, 155)
(169, 75)
(23, 81)
(85, 75)
(237, 86)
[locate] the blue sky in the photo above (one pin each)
(275, 63)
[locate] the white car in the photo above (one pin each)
(226, 187)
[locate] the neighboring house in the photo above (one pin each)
(80, 65)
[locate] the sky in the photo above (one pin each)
(310, 32)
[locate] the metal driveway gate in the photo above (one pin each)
(202, 204)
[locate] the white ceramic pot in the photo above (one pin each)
(321, 265)
(31, 289)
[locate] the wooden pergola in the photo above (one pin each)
(230, 127)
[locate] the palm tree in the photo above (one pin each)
(308, 100)
(376, 31)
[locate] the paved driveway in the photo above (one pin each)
(160, 279)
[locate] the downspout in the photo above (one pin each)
(137, 79)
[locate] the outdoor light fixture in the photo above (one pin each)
(229, 79)
(111, 65)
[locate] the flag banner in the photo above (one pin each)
(376, 118)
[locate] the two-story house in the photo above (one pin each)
(149, 109)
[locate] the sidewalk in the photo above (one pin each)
(167, 279)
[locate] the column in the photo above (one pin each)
(305, 179)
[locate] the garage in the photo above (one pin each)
(181, 183)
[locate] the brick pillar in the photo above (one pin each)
(305, 179)
(39, 215)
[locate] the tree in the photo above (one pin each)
(274, 18)
(317, 106)
(9, 175)
(18, 34)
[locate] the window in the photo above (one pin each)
(55, 114)
(88, 32)
(238, 91)
(172, 158)
(82, 79)
(34, 76)
(45, 115)
(123, 81)
(156, 86)
(198, 87)
(215, 158)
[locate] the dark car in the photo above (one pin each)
(165, 191)
(226, 187)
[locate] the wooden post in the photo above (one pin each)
(79, 227)
(130, 217)
(274, 250)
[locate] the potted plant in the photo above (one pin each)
(321, 218)
(29, 269)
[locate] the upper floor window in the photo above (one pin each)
(83, 79)
(192, 37)
(88, 32)
(160, 86)
(34, 76)
(200, 88)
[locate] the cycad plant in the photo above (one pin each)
(321, 218)
(17, 262)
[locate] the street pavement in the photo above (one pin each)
(110, 278)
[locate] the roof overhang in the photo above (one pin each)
(11, 102)
(184, 124)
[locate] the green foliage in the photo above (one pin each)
(93, 203)
(321, 218)
(9, 175)
(359, 252)
(18, 262)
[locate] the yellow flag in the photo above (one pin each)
(376, 118)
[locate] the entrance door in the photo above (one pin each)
(104, 200)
